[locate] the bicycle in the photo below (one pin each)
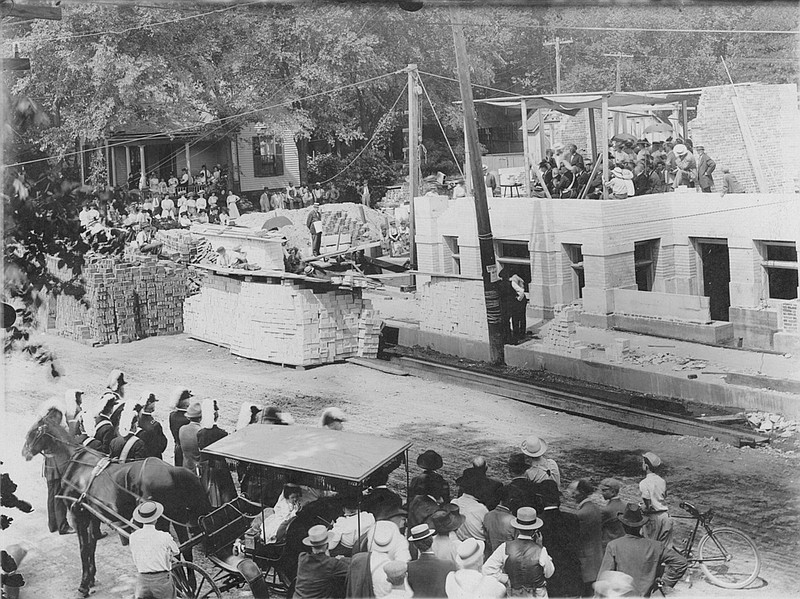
(727, 557)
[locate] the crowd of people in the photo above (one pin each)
(478, 537)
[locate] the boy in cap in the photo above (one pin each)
(319, 576)
(522, 564)
(152, 551)
(396, 576)
(654, 497)
(640, 557)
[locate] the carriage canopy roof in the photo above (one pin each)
(320, 452)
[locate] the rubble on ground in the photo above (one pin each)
(774, 424)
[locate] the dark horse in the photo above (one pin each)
(116, 489)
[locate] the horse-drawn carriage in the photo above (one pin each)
(317, 458)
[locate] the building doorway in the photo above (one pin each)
(716, 276)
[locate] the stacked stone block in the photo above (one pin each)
(561, 331)
(190, 248)
(453, 306)
(124, 301)
(283, 323)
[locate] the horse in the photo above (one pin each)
(114, 489)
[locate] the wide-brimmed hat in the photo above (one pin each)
(534, 447)
(632, 516)
(429, 460)
(195, 410)
(652, 459)
(680, 150)
(612, 583)
(392, 513)
(421, 531)
(147, 512)
(317, 536)
(469, 551)
(527, 519)
(382, 535)
(446, 520)
(617, 172)
(627, 175)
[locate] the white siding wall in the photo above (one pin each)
(248, 180)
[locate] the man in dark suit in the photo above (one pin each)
(521, 490)
(422, 506)
(499, 523)
(427, 574)
(560, 535)
(591, 533)
(430, 481)
(705, 170)
(381, 500)
(485, 489)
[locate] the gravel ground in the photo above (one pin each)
(755, 490)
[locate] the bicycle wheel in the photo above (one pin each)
(729, 558)
(192, 582)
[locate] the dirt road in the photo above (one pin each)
(754, 490)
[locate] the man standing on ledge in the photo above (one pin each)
(314, 224)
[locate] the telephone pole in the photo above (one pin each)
(557, 43)
(413, 157)
(485, 240)
(619, 56)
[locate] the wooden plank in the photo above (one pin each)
(724, 418)
(750, 146)
(576, 404)
(341, 252)
(380, 365)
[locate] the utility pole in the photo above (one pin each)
(619, 56)
(557, 43)
(413, 156)
(485, 240)
(21, 11)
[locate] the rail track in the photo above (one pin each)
(581, 404)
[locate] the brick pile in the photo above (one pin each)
(190, 249)
(124, 301)
(561, 331)
(286, 323)
(453, 306)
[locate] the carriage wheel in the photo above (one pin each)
(192, 582)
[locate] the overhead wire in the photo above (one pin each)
(441, 128)
(374, 135)
(225, 119)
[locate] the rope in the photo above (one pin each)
(441, 128)
(374, 135)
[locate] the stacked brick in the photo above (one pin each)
(283, 323)
(124, 301)
(561, 331)
(190, 249)
(453, 306)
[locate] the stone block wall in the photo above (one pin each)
(125, 300)
(453, 306)
(286, 323)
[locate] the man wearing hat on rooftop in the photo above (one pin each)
(640, 557)
(427, 574)
(430, 481)
(152, 551)
(705, 170)
(617, 186)
(492, 187)
(654, 497)
(179, 402)
(523, 564)
(320, 576)
(187, 437)
(314, 225)
(686, 166)
(541, 468)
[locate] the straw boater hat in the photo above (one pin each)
(429, 460)
(421, 531)
(470, 551)
(680, 150)
(534, 447)
(317, 536)
(652, 459)
(527, 519)
(632, 516)
(147, 512)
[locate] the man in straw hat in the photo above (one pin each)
(640, 557)
(152, 551)
(541, 468)
(188, 437)
(468, 582)
(522, 564)
(426, 574)
(654, 497)
(319, 575)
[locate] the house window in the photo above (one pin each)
(780, 266)
(645, 255)
(575, 254)
(514, 257)
(267, 156)
(451, 243)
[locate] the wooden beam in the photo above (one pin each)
(526, 148)
(14, 9)
(16, 64)
(593, 134)
(604, 143)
